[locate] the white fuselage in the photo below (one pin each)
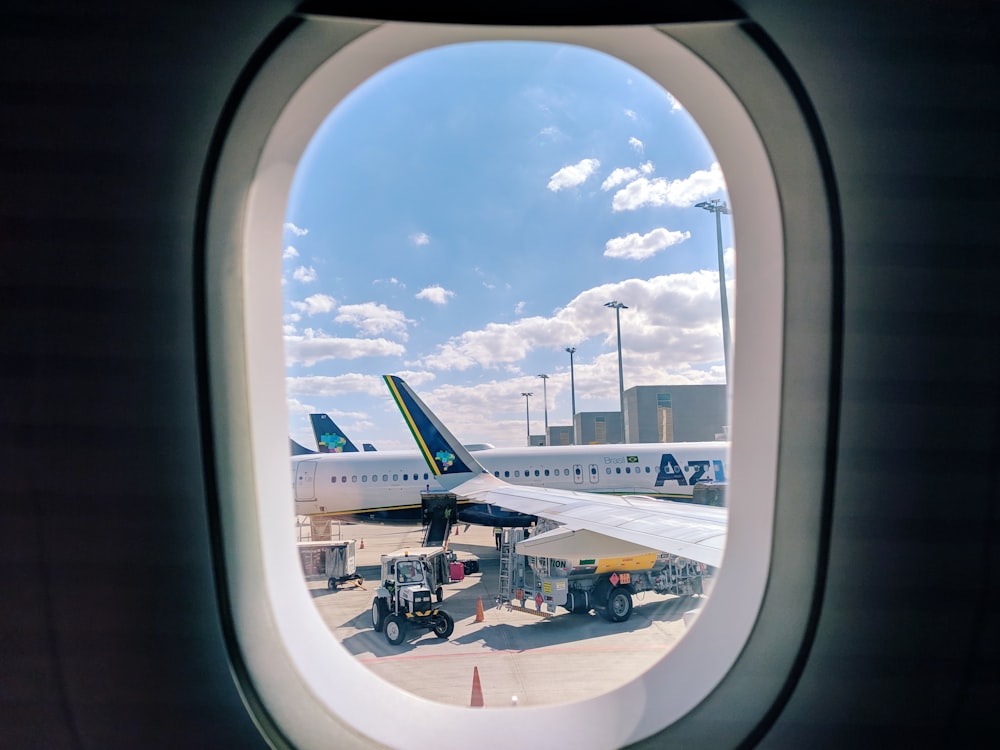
(345, 483)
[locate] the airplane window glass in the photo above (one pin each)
(414, 212)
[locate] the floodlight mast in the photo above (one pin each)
(545, 404)
(718, 208)
(527, 415)
(572, 390)
(618, 307)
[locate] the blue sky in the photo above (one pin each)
(462, 217)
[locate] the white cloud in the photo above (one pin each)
(297, 231)
(436, 294)
(351, 383)
(316, 346)
(550, 132)
(641, 246)
(573, 175)
(647, 167)
(519, 308)
(305, 275)
(674, 318)
(618, 176)
(636, 144)
(675, 106)
(630, 114)
(289, 252)
(315, 304)
(372, 318)
(391, 281)
(659, 192)
(420, 238)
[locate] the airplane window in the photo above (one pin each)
(385, 477)
(333, 480)
(635, 224)
(395, 477)
(343, 479)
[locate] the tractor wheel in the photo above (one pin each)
(379, 610)
(444, 626)
(440, 594)
(395, 629)
(332, 584)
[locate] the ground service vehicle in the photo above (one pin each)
(334, 560)
(404, 600)
(586, 580)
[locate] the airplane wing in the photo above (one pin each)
(695, 532)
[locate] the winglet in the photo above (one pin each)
(329, 437)
(447, 458)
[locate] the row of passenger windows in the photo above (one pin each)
(385, 478)
(507, 474)
(565, 472)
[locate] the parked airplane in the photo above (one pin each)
(125, 603)
(346, 484)
(694, 532)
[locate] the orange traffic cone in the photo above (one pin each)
(480, 616)
(456, 531)
(477, 690)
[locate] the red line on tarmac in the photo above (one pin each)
(514, 652)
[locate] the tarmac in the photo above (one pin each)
(509, 658)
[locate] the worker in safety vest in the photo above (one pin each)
(498, 534)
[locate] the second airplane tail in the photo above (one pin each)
(329, 437)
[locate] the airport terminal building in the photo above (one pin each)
(653, 414)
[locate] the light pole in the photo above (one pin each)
(527, 415)
(545, 404)
(572, 389)
(618, 307)
(718, 209)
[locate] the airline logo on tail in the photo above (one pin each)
(333, 443)
(432, 443)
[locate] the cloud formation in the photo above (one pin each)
(436, 294)
(373, 318)
(641, 246)
(315, 304)
(315, 346)
(659, 192)
(420, 238)
(305, 275)
(675, 317)
(297, 231)
(573, 175)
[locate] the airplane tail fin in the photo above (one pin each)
(447, 458)
(329, 437)
(297, 449)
